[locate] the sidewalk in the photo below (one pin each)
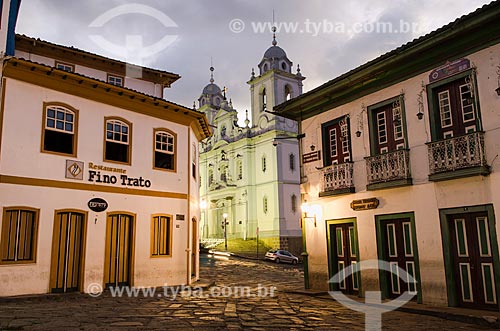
(478, 317)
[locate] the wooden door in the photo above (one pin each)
(473, 260)
(398, 251)
(456, 113)
(119, 257)
(344, 251)
(338, 145)
(389, 135)
(67, 251)
(194, 247)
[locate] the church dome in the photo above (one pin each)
(212, 89)
(275, 52)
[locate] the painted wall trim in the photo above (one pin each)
(15, 180)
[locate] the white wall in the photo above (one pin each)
(424, 198)
(21, 157)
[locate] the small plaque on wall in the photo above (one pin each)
(179, 217)
(364, 204)
(311, 157)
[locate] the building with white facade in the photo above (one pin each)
(98, 174)
(251, 174)
(409, 169)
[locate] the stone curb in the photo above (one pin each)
(487, 320)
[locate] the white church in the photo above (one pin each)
(250, 176)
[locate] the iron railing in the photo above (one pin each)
(457, 153)
(338, 177)
(388, 166)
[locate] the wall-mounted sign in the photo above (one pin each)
(95, 176)
(74, 169)
(449, 69)
(364, 204)
(179, 217)
(97, 205)
(311, 157)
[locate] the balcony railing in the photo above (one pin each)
(338, 178)
(457, 153)
(389, 167)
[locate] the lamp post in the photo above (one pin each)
(204, 230)
(224, 226)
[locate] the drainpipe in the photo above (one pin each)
(304, 254)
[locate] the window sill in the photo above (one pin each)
(17, 263)
(461, 173)
(390, 184)
(340, 191)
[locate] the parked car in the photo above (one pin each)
(279, 255)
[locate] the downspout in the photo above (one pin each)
(188, 224)
(304, 254)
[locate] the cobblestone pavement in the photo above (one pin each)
(260, 311)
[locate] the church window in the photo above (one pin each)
(283, 66)
(294, 203)
(223, 174)
(240, 169)
(59, 133)
(210, 177)
(264, 205)
(164, 150)
(292, 162)
(264, 165)
(288, 93)
(264, 100)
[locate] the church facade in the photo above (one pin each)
(250, 176)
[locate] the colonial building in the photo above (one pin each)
(98, 174)
(401, 164)
(250, 174)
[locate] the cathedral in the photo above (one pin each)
(250, 176)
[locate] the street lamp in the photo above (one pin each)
(224, 226)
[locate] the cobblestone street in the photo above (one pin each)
(214, 309)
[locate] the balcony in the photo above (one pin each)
(457, 157)
(388, 170)
(337, 179)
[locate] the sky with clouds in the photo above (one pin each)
(327, 38)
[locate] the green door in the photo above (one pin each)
(473, 261)
(343, 253)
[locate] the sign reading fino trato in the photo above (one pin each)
(104, 175)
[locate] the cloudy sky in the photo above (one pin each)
(327, 38)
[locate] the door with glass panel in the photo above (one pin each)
(398, 250)
(473, 260)
(456, 108)
(68, 243)
(344, 253)
(389, 134)
(337, 142)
